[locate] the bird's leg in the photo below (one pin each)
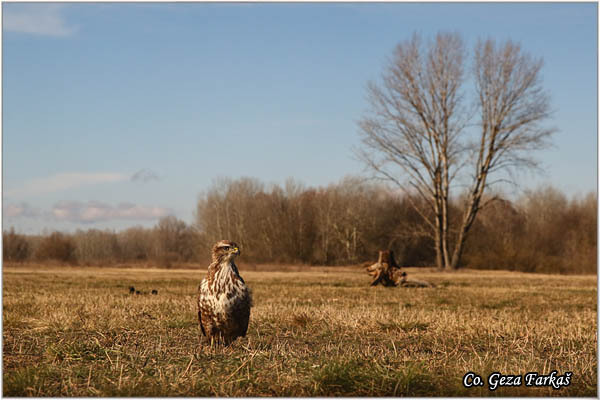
(201, 347)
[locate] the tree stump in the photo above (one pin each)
(385, 271)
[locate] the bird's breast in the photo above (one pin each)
(223, 291)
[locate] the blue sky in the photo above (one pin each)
(117, 114)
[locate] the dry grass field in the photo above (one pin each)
(77, 331)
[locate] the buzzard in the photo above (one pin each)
(224, 299)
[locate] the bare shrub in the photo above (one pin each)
(94, 247)
(15, 247)
(135, 244)
(496, 241)
(57, 247)
(543, 231)
(174, 242)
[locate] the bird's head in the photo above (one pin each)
(225, 250)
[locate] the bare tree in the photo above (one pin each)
(174, 241)
(136, 243)
(57, 247)
(416, 132)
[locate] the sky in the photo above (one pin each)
(117, 114)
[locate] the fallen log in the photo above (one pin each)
(406, 282)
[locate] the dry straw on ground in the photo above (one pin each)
(78, 332)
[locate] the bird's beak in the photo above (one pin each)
(236, 251)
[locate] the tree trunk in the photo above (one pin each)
(456, 256)
(445, 189)
(469, 218)
(438, 240)
(439, 259)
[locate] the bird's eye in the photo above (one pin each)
(225, 247)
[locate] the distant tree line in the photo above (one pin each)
(343, 223)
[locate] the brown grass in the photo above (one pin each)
(320, 332)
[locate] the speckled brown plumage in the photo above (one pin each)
(224, 300)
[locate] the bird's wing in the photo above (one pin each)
(241, 313)
(200, 308)
(201, 326)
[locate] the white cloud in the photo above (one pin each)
(36, 18)
(63, 181)
(94, 211)
(22, 209)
